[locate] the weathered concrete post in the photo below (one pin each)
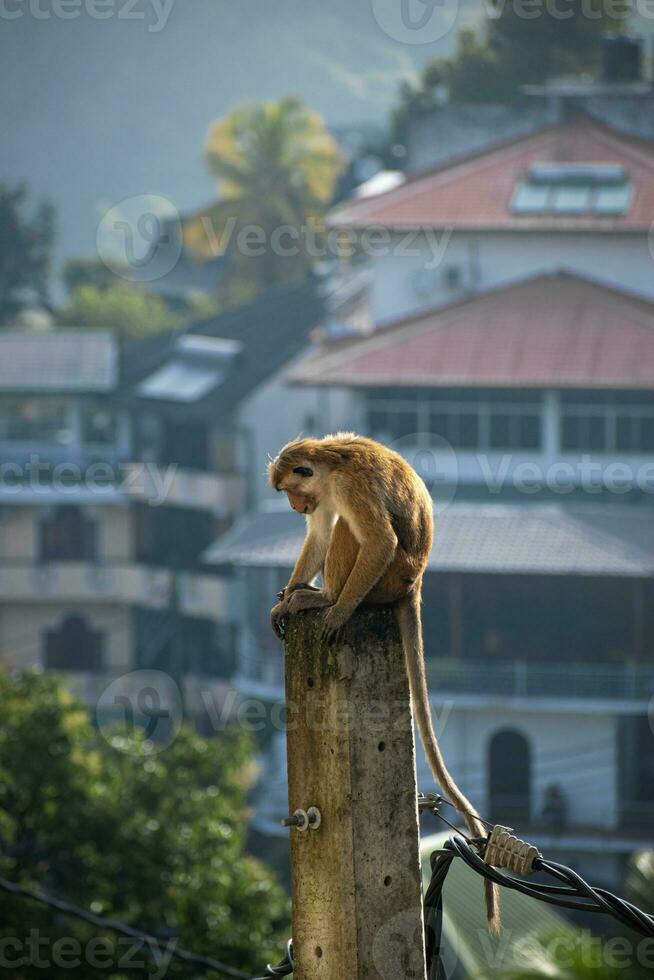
(356, 893)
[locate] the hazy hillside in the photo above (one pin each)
(98, 110)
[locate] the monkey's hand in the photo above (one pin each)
(288, 590)
(334, 620)
(306, 599)
(278, 615)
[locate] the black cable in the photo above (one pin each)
(283, 969)
(576, 893)
(68, 908)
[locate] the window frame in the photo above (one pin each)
(485, 406)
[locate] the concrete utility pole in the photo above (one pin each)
(357, 907)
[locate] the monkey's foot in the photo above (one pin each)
(278, 615)
(306, 599)
(333, 625)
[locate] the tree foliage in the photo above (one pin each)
(155, 839)
(519, 43)
(84, 271)
(132, 312)
(276, 167)
(25, 251)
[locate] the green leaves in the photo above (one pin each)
(153, 839)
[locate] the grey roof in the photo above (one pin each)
(505, 538)
(251, 342)
(58, 360)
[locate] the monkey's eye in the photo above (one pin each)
(303, 471)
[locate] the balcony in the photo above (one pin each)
(486, 680)
(119, 582)
(528, 679)
(174, 487)
(116, 696)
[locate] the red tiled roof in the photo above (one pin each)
(553, 330)
(475, 192)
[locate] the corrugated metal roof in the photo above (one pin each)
(476, 191)
(551, 330)
(550, 539)
(58, 360)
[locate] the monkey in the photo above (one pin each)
(369, 534)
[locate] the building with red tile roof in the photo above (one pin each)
(478, 191)
(556, 330)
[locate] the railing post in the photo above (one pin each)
(357, 907)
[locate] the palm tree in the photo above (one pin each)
(276, 167)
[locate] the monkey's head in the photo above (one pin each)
(302, 470)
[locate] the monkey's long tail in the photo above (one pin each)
(408, 617)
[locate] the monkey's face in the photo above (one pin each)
(300, 485)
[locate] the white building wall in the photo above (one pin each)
(276, 412)
(576, 750)
(412, 273)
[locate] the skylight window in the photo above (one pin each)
(573, 188)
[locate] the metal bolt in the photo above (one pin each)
(315, 817)
(304, 819)
(299, 819)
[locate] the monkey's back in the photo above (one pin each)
(391, 481)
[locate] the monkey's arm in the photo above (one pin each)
(310, 561)
(377, 545)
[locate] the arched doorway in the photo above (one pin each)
(510, 778)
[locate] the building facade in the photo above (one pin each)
(521, 388)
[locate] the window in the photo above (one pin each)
(74, 646)
(619, 422)
(68, 534)
(573, 188)
(467, 420)
(99, 426)
(35, 420)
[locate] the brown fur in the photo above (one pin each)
(369, 532)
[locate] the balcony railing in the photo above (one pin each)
(541, 679)
(119, 695)
(172, 486)
(122, 582)
(501, 679)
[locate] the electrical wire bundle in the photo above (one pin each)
(570, 891)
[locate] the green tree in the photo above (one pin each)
(276, 167)
(152, 838)
(519, 43)
(25, 251)
(131, 312)
(89, 272)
